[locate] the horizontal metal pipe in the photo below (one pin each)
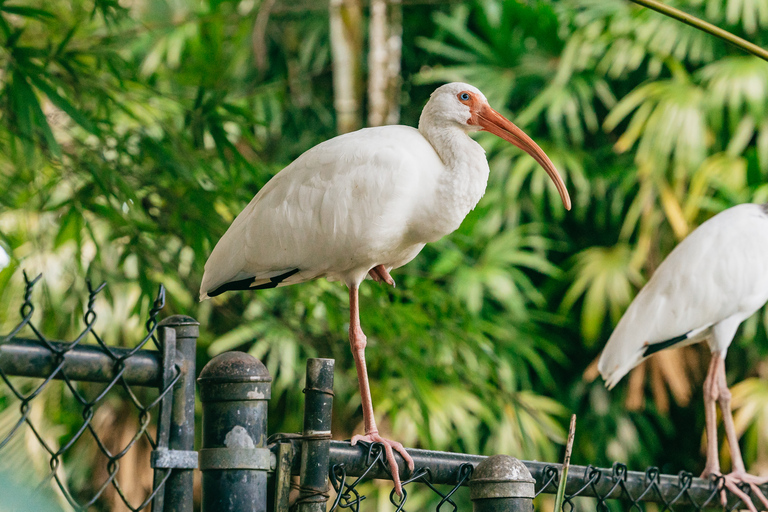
(444, 470)
(443, 466)
(636, 484)
(29, 358)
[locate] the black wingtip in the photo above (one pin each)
(246, 284)
(657, 347)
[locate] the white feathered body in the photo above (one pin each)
(367, 198)
(710, 283)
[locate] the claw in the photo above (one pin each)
(389, 450)
(380, 275)
(732, 481)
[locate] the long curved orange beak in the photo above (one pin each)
(495, 123)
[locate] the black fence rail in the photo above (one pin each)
(242, 469)
(496, 483)
(91, 374)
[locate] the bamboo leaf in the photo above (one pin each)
(63, 104)
(26, 11)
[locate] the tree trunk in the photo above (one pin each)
(385, 39)
(346, 18)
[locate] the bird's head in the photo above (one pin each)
(463, 105)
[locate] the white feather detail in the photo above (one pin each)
(356, 201)
(717, 276)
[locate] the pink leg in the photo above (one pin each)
(357, 341)
(380, 275)
(712, 466)
(739, 472)
(716, 391)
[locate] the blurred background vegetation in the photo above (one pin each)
(133, 132)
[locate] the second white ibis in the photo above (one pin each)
(711, 282)
(362, 204)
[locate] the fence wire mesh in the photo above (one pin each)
(347, 495)
(588, 487)
(89, 378)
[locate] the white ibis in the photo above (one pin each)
(362, 204)
(711, 282)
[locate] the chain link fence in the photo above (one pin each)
(113, 407)
(597, 486)
(587, 488)
(150, 389)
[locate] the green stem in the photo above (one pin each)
(706, 27)
(560, 496)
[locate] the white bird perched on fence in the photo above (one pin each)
(362, 204)
(711, 282)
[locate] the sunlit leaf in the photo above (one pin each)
(668, 125)
(605, 279)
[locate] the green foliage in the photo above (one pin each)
(656, 127)
(605, 278)
(131, 137)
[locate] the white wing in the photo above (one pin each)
(345, 204)
(719, 272)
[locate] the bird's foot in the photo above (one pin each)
(389, 450)
(380, 275)
(733, 482)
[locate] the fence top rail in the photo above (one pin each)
(147, 422)
(87, 357)
(448, 468)
(25, 357)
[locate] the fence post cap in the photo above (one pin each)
(186, 326)
(234, 367)
(501, 476)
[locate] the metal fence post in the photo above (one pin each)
(501, 483)
(181, 442)
(234, 390)
(316, 446)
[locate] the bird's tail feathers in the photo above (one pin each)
(615, 364)
(613, 376)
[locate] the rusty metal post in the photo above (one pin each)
(501, 483)
(180, 455)
(234, 389)
(316, 446)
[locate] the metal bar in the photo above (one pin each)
(168, 337)
(444, 470)
(443, 466)
(315, 453)
(636, 484)
(89, 363)
(179, 487)
(234, 389)
(283, 476)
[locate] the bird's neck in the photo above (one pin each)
(451, 143)
(465, 176)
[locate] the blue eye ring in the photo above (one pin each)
(464, 96)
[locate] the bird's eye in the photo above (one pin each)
(464, 96)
